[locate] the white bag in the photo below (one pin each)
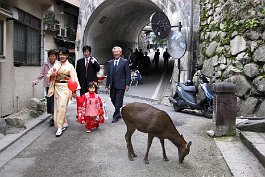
(105, 114)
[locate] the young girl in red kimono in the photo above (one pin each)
(93, 108)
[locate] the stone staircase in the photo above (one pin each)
(255, 142)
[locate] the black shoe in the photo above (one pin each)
(51, 122)
(115, 120)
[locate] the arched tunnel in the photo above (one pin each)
(103, 24)
(117, 23)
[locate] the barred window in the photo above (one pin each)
(27, 39)
(1, 37)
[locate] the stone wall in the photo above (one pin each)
(232, 49)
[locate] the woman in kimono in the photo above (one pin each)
(59, 75)
(52, 56)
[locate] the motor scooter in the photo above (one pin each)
(189, 96)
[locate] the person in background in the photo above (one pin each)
(146, 64)
(156, 58)
(87, 69)
(58, 76)
(118, 80)
(166, 57)
(52, 56)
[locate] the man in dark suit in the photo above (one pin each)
(86, 69)
(118, 80)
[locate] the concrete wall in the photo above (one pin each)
(16, 82)
(7, 74)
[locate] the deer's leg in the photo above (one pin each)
(150, 139)
(164, 151)
(128, 137)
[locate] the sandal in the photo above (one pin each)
(88, 131)
(59, 132)
(64, 128)
(65, 125)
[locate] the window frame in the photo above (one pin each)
(27, 27)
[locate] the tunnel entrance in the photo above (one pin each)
(117, 23)
(104, 24)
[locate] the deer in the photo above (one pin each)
(156, 123)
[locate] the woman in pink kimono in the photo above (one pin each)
(59, 75)
(52, 56)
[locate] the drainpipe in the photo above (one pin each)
(191, 39)
(1, 98)
(18, 104)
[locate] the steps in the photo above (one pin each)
(241, 161)
(255, 142)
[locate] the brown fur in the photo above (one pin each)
(156, 123)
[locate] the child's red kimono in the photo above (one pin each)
(89, 110)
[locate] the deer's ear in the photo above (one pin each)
(189, 144)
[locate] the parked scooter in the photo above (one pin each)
(189, 96)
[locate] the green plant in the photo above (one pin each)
(263, 11)
(158, 40)
(251, 23)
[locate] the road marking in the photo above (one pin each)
(159, 85)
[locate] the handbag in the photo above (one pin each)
(105, 114)
(80, 104)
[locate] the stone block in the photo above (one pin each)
(41, 106)
(252, 125)
(17, 122)
(251, 70)
(259, 54)
(238, 45)
(34, 113)
(224, 109)
(2, 126)
(34, 103)
(261, 110)
(240, 82)
(211, 48)
(248, 106)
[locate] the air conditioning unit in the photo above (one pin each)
(63, 32)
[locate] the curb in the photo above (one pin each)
(9, 139)
(255, 143)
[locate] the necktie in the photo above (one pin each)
(115, 65)
(86, 66)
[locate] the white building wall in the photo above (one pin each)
(7, 74)
(16, 82)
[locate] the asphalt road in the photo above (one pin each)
(103, 152)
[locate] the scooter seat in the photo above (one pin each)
(187, 88)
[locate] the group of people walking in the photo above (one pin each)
(142, 61)
(57, 74)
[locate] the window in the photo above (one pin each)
(1, 38)
(27, 39)
(70, 20)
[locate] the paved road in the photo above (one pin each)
(151, 86)
(103, 152)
